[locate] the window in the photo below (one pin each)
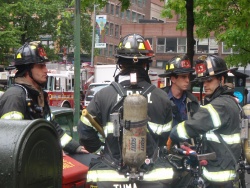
(107, 8)
(140, 3)
(128, 14)
(171, 45)
(106, 51)
(134, 17)
(107, 28)
(111, 50)
(117, 10)
(202, 46)
(57, 84)
(140, 16)
(122, 15)
(160, 45)
(117, 31)
(225, 49)
(182, 45)
(159, 64)
(213, 46)
(111, 30)
(112, 11)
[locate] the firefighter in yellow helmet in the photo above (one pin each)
(26, 98)
(133, 55)
(217, 121)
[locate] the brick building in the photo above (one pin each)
(144, 17)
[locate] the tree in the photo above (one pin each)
(227, 20)
(29, 19)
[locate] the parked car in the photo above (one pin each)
(92, 90)
(65, 117)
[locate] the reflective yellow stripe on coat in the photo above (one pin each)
(65, 139)
(13, 115)
(229, 139)
(160, 128)
(214, 115)
(221, 176)
(113, 176)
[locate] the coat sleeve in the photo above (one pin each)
(68, 144)
(13, 104)
(88, 136)
(208, 117)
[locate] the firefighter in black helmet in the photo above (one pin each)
(217, 121)
(26, 98)
(185, 104)
(133, 55)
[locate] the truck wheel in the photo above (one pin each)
(66, 105)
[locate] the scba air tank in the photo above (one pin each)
(134, 130)
(245, 132)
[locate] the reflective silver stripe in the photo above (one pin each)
(160, 128)
(156, 128)
(181, 131)
(108, 129)
(65, 139)
(13, 115)
(159, 174)
(220, 176)
(105, 175)
(214, 115)
(113, 176)
(229, 139)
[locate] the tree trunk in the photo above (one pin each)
(190, 30)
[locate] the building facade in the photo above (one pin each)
(144, 17)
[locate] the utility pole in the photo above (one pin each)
(77, 62)
(93, 38)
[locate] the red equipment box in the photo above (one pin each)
(74, 173)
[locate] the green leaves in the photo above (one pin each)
(228, 20)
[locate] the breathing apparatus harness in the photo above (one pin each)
(120, 125)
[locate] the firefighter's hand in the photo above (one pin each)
(81, 149)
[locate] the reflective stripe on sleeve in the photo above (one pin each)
(229, 139)
(65, 139)
(220, 176)
(160, 128)
(112, 175)
(108, 129)
(86, 122)
(181, 131)
(214, 115)
(156, 128)
(13, 115)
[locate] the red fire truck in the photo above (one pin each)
(60, 87)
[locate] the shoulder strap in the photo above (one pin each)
(25, 90)
(121, 91)
(147, 90)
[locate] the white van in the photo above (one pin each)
(92, 90)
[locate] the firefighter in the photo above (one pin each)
(26, 98)
(133, 55)
(185, 103)
(217, 121)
